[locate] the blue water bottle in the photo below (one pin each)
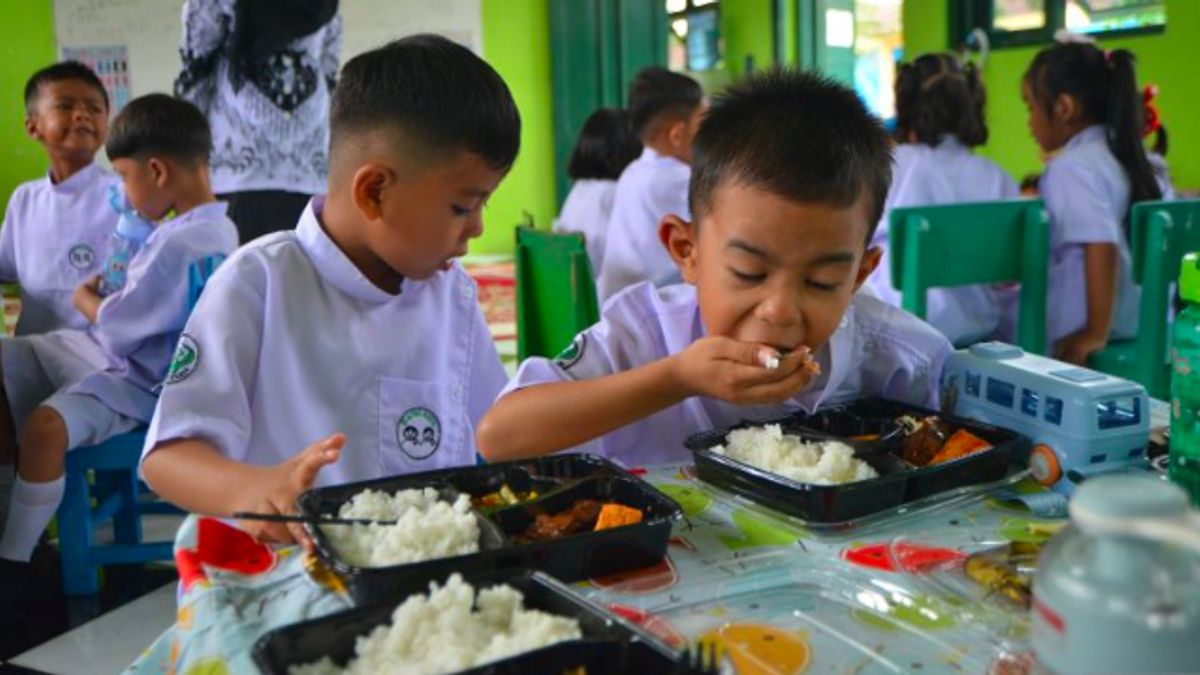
(131, 232)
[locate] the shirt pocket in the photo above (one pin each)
(422, 426)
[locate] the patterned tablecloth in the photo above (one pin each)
(781, 596)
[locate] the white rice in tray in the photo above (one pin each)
(444, 632)
(426, 528)
(820, 462)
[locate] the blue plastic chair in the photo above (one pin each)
(118, 495)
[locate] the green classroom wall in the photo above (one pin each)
(1162, 59)
(748, 29)
(28, 45)
(516, 41)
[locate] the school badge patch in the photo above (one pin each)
(573, 353)
(185, 361)
(81, 256)
(419, 432)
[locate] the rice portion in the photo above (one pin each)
(449, 630)
(426, 528)
(821, 463)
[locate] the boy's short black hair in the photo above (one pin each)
(605, 147)
(438, 93)
(57, 72)
(799, 135)
(158, 125)
(656, 91)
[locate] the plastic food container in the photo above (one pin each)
(610, 645)
(559, 480)
(898, 483)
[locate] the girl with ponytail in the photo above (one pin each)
(1086, 110)
(939, 119)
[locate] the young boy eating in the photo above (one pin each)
(789, 176)
(359, 321)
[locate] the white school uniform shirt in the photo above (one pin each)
(587, 210)
(651, 187)
(877, 350)
(1086, 191)
(948, 173)
(138, 327)
(55, 237)
(290, 343)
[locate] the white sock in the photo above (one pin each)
(33, 505)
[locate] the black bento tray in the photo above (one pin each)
(610, 645)
(559, 480)
(898, 482)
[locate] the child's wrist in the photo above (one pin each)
(673, 379)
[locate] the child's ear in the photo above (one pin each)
(1066, 108)
(368, 188)
(677, 133)
(870, 261)
(160, 171)
(679, 238)
(31, 128)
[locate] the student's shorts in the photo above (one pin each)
(37, 371)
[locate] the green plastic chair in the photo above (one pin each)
(979, 243)
(1162, 232)
(556, 294)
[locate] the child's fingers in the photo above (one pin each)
(773, 392)
(315, 457)
(301, 536)
(270, 533)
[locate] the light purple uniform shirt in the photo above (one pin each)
(138, 327)
(587, 210)
(292, 343)
(54, 238)
(1087, 193)
(877, 350)
(651, 187)
(946, 174)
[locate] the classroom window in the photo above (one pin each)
(972, 383)
(877, 38)
(1026, 22)
(1001, 392)
(694, 40)
(1103, 16)
(1118, 413)
(1054, 410)
(1029, 402)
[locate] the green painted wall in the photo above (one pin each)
(516, 41)
(28, 45)
(1167, 59)
(748, 29)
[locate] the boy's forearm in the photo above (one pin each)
(546, 418)
(1100, 271)
(193, 475)
(88, 305)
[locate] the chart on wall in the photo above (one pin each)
(139, 39)
(111, 64)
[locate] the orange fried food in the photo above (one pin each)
(616, 515)
(961, 444)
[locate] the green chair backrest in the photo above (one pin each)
(556, 294)
(979, 243)
(1162, 232)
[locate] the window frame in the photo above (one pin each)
(686, 13)
(966, 15)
